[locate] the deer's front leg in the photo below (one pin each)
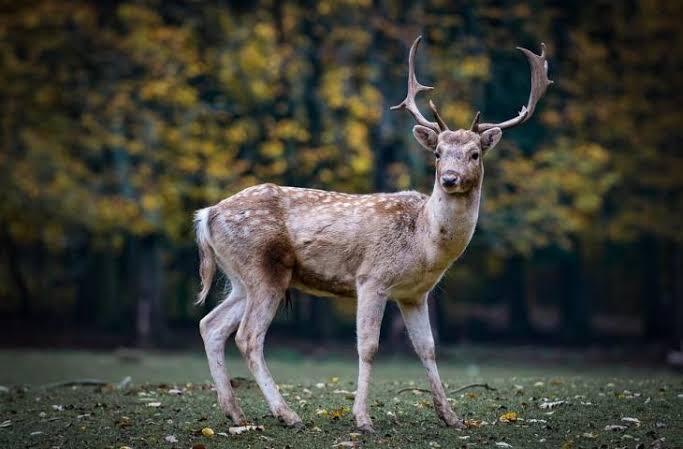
(371, 304)
(416, 318)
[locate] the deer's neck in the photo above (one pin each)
(450, 221)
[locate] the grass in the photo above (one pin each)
(145, 414)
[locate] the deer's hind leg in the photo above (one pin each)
(215, 329)
(263, 300)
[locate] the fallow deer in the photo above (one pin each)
(376, 247)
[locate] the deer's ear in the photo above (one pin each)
(427, 137)
(490, 138)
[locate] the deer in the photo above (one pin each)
(376, 247)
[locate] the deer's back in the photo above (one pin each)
(324, 239)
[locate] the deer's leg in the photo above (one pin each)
(416, 318)
(371, 304)
(215, 329)
(262, 304)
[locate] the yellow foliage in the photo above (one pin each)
(272, 149)
(476, 67)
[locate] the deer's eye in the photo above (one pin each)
(437, 154)
(475, 156)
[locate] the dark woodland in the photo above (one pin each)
(120, 118)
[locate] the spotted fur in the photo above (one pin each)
(269, 238)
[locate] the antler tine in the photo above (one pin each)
(437, 117)
(475, 123)
(414, 87)
(538, 64)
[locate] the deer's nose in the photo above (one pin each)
(450, 179)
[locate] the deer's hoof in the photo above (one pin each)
(455, 423)
(237, 417)
(366, 428)
(291, 419)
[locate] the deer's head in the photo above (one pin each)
(459, 153)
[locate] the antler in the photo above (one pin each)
(539, 84)
(414, 87)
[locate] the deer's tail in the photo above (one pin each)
(207, 257)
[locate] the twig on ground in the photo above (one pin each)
(125, 382)
(403, 390)
(77, 383)
(457, 390)
(466, 387)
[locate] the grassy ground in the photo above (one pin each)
(150, 414)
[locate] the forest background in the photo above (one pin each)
(120, 118)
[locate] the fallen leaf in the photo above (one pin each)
(590, 435)
(508, 417)
(175, 391)
(154, 404)
(171, 438)
(345, 444)
(615, 427)
(6, 423)
(4, 389)
(550, 404)
(338, 412)
(503, 444)
(241, 429)
(38, 432)
(346, 392)
(629, 420)
(472, 423)
(208, 432)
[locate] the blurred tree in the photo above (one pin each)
(121, 118)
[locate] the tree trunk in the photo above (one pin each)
(574, 305)
(150, 325)
(651, 301)
(677, 293)
(15, 271)
(515, 285)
